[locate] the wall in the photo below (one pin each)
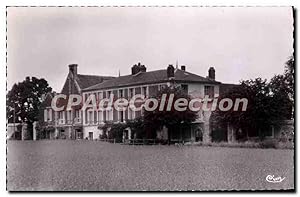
(94, 129)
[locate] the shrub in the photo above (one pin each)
(116, 132)
(269, 143)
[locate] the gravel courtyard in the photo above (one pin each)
(92, 165)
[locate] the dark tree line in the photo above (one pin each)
(269, 103)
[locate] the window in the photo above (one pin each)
(121, 94)
(108, 94)
(109, 115)
(62, 134)
(61, 115)
(131, 92)
(47, 115)
(50, 114)
(69, 116)
(95, 95)
(95, 119)
(90, 117)
(77, 113)
(77, 116)
(79, 134)
(86, 96)
(100, 116)
(130, 114)
(121, 116)
(209, 90)
(144, 91)
(100, 95)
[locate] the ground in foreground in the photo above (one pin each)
(91, 165)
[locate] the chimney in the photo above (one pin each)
(134, 69)
(73, 69)
(138, 68)
(212, 73)
(170, 71)
(183, 67)
(143, 68)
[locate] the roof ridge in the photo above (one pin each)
(153, 76)
(95, 75)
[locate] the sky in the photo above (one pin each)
(239, 42)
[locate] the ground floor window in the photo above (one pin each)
(62, 134)
(79, 134)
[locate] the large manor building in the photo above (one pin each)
(79, 124)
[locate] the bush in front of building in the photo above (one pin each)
(267, 143)
(116, 131)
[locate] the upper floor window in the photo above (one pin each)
(61, 115)
(90, 117)
(109, 94)
(47, 115)
(96, 96)
(121, 116)
(69, 115)
(209, 90)
(100, 116)
(77, 113)
(100, 95)
(144, 91)
(131, 92)
(121, 93)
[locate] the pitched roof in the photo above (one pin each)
(226, 87)
(156, 76)
(85, 81)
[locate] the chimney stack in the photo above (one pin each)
(73, 69)
(134, 69)
(138, 68)
(212, 73)
(170, 71)
(183, 67)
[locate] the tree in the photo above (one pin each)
(289, 75)
(24, 100)
(137, 127)
(268, 104)
(156, 119)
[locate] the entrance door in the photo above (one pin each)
(90, 135)
(79, 134)
(198, 135)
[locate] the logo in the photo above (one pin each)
(273, 179)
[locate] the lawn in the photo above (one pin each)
(91, 165)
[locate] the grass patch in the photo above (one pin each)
(269, 143)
